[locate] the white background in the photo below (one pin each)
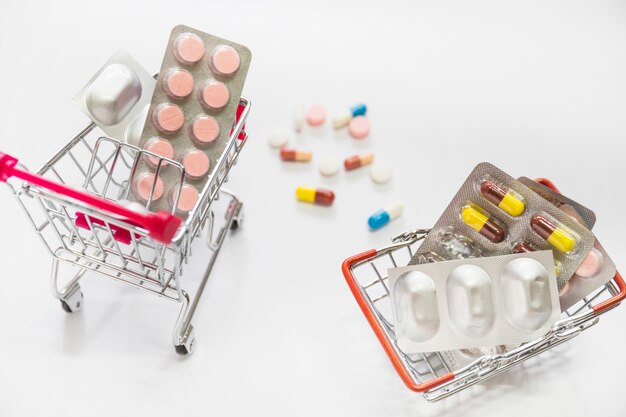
(536, 87)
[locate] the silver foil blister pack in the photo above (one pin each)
(494, 214)
(190, 118)
(115, 97)
(471, 303)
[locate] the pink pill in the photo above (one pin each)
(188, 48)
(161, 147)
(178, 83)
(215, 95)
(145, 184)
(187, 199)
(359, 127)
(591, 265)
(204, 130)
(168, 118)
(196, 164)
(316, 116)
(224, 60)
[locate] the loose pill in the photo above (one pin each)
(554, 235)
(359, 127)
(214, 95)
(224, 60)
(178, 83)
(168, 118)
(384, 216)
(188, 48)
(204, 130)
(509, 201)
(187, 198)
(278, 138)
(161, 147)
(591, 265)
(294, 155)
(381, 173)
(329, 166)
(358, 161)
(196, 164)
(342, 120)
(149, 187)
(481, 223)
(318, 196)
(298, 118)
(316, 116)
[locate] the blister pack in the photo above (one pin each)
(494, 214)
(116, 96)
(470, 303)
(597, 268)
(191, 116)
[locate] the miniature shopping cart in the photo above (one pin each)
(431, 373)
(76, 203)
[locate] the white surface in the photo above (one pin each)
(536, 87)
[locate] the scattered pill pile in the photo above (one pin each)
(357, 124)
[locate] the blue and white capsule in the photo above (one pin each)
(343, 119)
(384, 216)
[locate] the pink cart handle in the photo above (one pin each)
(161, 225)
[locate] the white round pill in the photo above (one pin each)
(381, 173)
(278, 138)
(329, 166)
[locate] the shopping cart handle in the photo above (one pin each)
(161, 225)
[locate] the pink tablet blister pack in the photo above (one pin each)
(190, 118)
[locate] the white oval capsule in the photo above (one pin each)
(526, 293)
(470, 300)
(417, 310)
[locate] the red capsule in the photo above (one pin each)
(294, 155)
(358, 161)
(523, 247)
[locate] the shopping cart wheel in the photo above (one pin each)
(189, 346)
(73, 301)
(237, 220)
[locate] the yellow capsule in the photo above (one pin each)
(315, 195)
(509, 201)
(481, 223)
(555, 236)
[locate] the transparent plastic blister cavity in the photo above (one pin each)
(472, 303)
(115, 97)
(495, 214)
(193, 108)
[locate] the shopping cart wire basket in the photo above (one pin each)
(430, 373)
(77, 203)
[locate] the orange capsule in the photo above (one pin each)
(294, 155)
(358, 161)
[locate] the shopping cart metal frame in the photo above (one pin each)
(429, 373)
(84, 235)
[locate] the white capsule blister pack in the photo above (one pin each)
(495, 214)
(471, 303)
(116, 98)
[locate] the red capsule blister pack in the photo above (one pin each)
(597, 268)
(495, 214)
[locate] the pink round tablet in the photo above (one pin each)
(145, 184)
(359, 127)
(161, 147)
(204, 129)
(188, 48)
(168, 118)
(178, 83)
(316, 116)
(196, 163)
(215, 95)
(224, 60)
(187, 199)
(591, 265)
